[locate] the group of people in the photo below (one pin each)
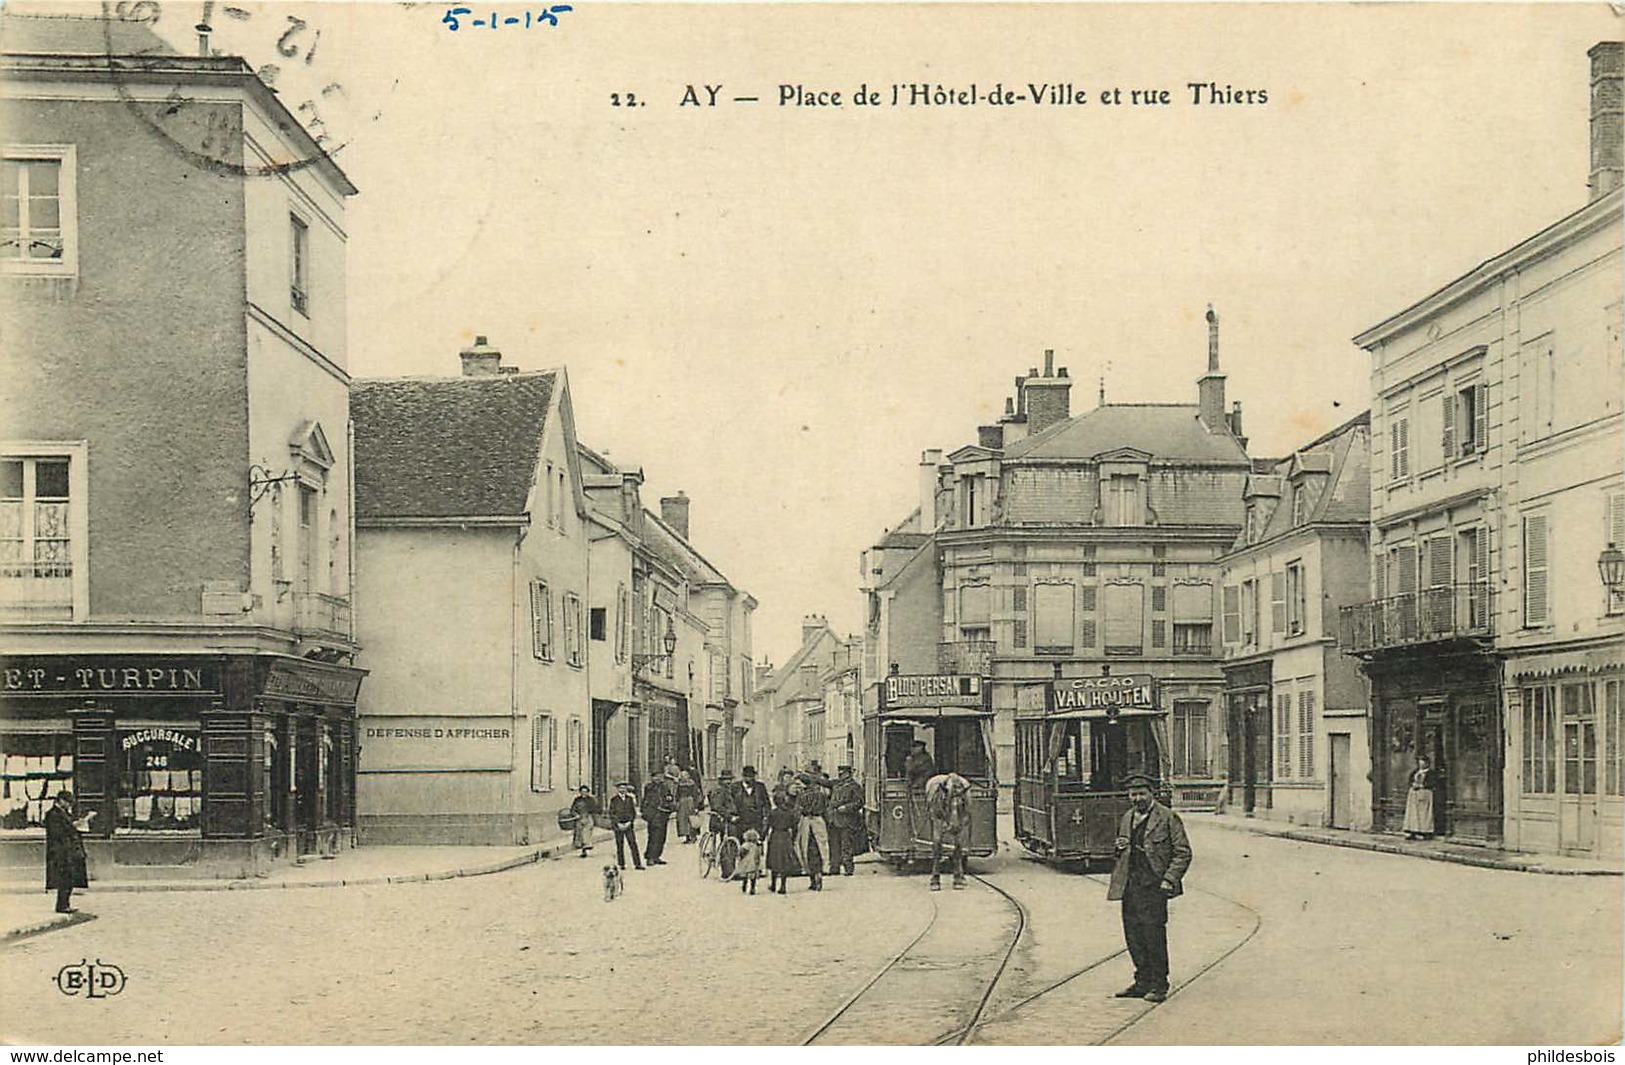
(807, 824)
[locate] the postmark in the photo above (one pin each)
(175, 88)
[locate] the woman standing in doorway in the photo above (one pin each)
(1419, 801)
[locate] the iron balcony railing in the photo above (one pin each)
(1447, 612)
(966, 656)
(316, 614)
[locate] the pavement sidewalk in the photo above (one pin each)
(1432, 849)
(352, 868)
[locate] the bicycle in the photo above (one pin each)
(718, 850)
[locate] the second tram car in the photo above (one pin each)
(952, 715)
(1077, 739)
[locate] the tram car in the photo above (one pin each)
(1077, 740)
(952, 715)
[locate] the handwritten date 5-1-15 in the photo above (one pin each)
(547, 16)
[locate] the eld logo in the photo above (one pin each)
(91, 979)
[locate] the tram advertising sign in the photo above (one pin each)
(1135, 691)
(934, 689)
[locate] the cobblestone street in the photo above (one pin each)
(1318, 945)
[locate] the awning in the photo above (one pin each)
(1101, 713)
(1567, 663)
(932, 713)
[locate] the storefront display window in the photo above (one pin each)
(36, 766)
(160, 779)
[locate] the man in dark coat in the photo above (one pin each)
(721, 802)
(623, 816)
(659, 801)
(812, 802)
(750, 802)
(920, 766)
(1153, 854)
(845, 821)
(64, 852)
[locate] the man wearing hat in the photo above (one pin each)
(812, 802)
(64, 852)
(750, 802)
(623, 816)
(919, 767)
(721, 802)
(1153, 853)
(845, 821)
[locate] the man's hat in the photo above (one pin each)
(624, 784)
(1142, 779)
(726, 774)
(749, 770)
(919, 743)
(843, 769)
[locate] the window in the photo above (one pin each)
(1297, 599)
(1539, 741)
(1159, 599)
(1232, 614)
(1278, 602)
(574, 642)
(1253, 524)
(1473, 561)
(541, 621)
(1159, 565)
(1579, 743)
(1306, 734)
(1466, 421)
(1190, 757)
(1193, 619)
(1249, 611)
(161, 779)
(309, 538)
(1614, 534)
(1283, 735)
(1536, 387)
(1018, 634)
(562, 496)
(36, 767)
(1018, 598)
(623, 623)
(1159, 632)
(1125, 619)
(1399, 447)
(597, 624)
(299, 264)
(40, 229)
(1122, 503)
(42, 536)
(1536, 604)
(969, 487)
(552, 501)
(1090, 593)
(541, 752)
(1054, 620)
(974, 605)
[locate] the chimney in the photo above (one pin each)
(1047, 399)
(1235, 424)
(929, 461)
(1210, 386)
(811, 624)
(990, 436)
(481, 360)
(1607, 117)
(674, 512)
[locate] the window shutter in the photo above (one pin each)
(1399, 438)
(538, 634)
(1535, 604)
(1379, 584)
(1277, 602)
(1020, 632)
(1159, 632)
(1405, 575)
(1439, 563)
(1232, 614)
(1481, 416)
(1616, 519)
(1449, 411)
(1306, 734)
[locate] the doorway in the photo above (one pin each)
(1577, 803)
(1342, 799)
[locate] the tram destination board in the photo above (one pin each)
(934, 689)
(1136, 691)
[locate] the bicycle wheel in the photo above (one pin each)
(728, 856)
(708, 853)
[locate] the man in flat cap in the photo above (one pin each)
(846, 826)
(1153, 853)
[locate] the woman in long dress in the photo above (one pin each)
(1419, 802)
(585, 808)
(688, 801)
(781, 845)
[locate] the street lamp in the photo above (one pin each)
(668, 641)
(1611, 567)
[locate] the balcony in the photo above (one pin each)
(966, 656)
(1433, 615)
(318, 615)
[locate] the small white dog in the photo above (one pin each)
(613, 884)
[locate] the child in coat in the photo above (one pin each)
(749, 869)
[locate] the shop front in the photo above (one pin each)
(192, 764)
(1447, 707)
(1248, 726)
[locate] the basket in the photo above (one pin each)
(567, 820)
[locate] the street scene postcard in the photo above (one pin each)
(584, 524)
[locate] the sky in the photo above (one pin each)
(775, 309)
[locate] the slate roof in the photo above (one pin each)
(1337, 474)
(1168, 431)
(448, 447)
(78, 35)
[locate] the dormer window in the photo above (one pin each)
(1300, 505)
(1122, 500)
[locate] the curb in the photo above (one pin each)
(531, 857)
(56, 922)
(1508, 864)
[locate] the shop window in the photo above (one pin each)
(1540, 740)
(36, 767)
(1579, 741)
(160, 779)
